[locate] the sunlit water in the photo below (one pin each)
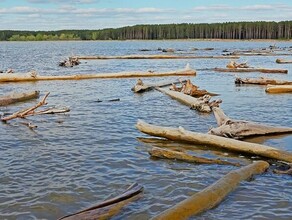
(75, 160)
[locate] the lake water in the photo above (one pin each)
(75, 160)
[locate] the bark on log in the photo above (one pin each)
(18, 97)
(262, 81)
(213, 194)
(183, 135)
(108, 208)
(201, 104)
(283, 61)
(29, 77)
(170, 154)
(279, 88)
(247, 70)
(239, 129)
(141, 87)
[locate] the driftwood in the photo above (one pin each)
(213, 194)
(234, 65)
(36, 77)
(247, 70)
(70, 62)
(141, 87)
(183, 135)
(283, 61)
(18, 97)
(279, 88)
(49, 111)
(180, 156)
(257, 53)
(108, 208)
(239, 129)
(262, 81)
(201, 104)
(287, 171)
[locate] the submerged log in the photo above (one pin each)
(247, 70)
(239, 129)
(283, 61)
(279, 88)
(141, 87)
(183, 135)
(18, 97)
(108, 208)
(201, 104)
(213, 194)
(180, 156)
(262, 81)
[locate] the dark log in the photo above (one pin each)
(243, 70)
(262, 81)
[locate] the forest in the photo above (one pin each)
(228, 30)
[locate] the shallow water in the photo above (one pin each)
(75, 160)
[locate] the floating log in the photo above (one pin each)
(279, 88)
(141, 87)
(201, 104)
(234, 65)
(108, 208)
(283, 61)
(287, 171)
(261, 53)
(243, 70)
(239, 129)
(29, 77)
(18, 97)
(262, 81)
(153, 57)
(183, 135)
(213, 194)
(170, 154)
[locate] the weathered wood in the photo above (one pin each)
(183, 135)
(29, 77)
(18, 97)
(239, 129)
(234, 65)
(279, 88)
(262, 81)
(280, 61)
(247, 70)
(213, 194)
(260, 53)
(108, 208)
(141, 87)
(201, 104)
(180, 156)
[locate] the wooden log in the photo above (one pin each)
(248, 70)
(153, 57)
(18, 97)
(183, 135)
(258, 54)
(262, 81)
(29, 77)
(213, 194)
(108, 208)
(201, 104)
(141, 87)
(239, 129)
(279, 88)
(180, 156)
(280, 61)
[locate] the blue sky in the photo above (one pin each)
(98, 14)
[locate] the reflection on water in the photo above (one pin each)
(75, 160)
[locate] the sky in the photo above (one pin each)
(99, 14)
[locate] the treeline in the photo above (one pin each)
(229, 30)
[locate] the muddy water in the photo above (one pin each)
(75, 160)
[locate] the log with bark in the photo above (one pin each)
(141, 87)
(201, 104)
(279, 89)
(18, 97)
(283, 61)
(183, 135)
(239, 129)
(108, 208)
(180, 156)
(262, 81)
(247, 70)
(35, 77)
(212, 195)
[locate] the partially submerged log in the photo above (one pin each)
(180, 156)
(213, 194)
(256, 53)
(234, 65)
(108, 208)
(247, 70)
(201, 104)
(18, 97)
(283, 61)
(183, 135)
(239, 129)
(141, 87)
(262, 81)
(279, 88)
(287, 171)
(70, 62)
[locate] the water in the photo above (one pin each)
(75, 160)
